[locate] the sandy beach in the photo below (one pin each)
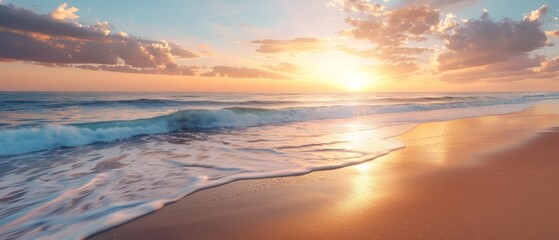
(490, 177)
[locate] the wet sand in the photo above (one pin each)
(493, 177)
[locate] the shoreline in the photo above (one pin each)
(211, 206)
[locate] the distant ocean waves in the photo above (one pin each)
(195, 101)
(20, 140)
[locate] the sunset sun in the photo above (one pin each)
(356, 81)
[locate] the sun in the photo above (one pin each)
(354, 85)
(355, 80)
(341, 71)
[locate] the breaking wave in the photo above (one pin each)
(29, 139)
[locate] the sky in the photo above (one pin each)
(279, 46)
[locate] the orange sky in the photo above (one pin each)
(361, 46)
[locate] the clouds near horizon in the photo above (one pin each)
(51, 40)
(244, 72)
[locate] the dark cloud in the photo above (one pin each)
(479, 42)
(25, 21)
(243, 72)
(292, 45)
(484, 49)
(27, 36)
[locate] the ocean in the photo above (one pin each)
(73, 164)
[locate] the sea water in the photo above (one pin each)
(73, 164)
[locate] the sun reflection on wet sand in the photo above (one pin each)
(427, 146)
(363, 188)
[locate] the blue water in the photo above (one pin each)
(72, 164)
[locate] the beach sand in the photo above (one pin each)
(493, 177)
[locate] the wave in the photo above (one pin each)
(435, 99)
(165, 102)
(25, 104)
(139, 103)
(458, 98)
(21, 140)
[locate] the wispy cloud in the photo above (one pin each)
(284, 67)
(244, 72)
(291, 45)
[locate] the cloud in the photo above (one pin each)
(215, 71)
(554, 33)
(479, 42)
(549, 66)
(22, 21)
(515, 68)
(402, 68)
(536, 14)
(395, 54)
(284, 67)
(484, 49)
(243, 72)
(64, 12)
(292, 45)
(205, 50)
(396, 27)
(170, 70)
(48, 41)
(392, 32)
(27, 36)
(473, 49)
